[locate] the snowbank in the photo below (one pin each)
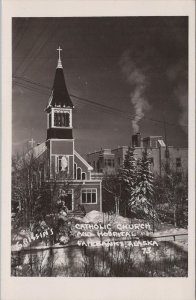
(94, 217)
(99, 217)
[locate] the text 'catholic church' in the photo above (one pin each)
(62, 163)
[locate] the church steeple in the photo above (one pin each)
(59, 107)
(59, 96)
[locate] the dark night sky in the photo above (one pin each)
(137, 65)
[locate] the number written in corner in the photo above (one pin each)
(146, 250)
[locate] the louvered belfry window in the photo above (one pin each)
(61, 119)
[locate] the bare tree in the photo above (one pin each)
(173, 190)
(27, 179)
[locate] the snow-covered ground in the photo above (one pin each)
(69, 260)
(164, 232)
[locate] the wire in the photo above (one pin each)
(92, 102)
(50, 33)
(24, 26)
(34, 52)
(29, 88)
(30, 81)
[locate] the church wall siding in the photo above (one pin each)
(52, 172)
(82, 166)
(89, 207)
(62, 147)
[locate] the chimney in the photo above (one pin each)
(136, 140)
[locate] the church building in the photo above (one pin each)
(63, 164)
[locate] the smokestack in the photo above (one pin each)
(136, 140)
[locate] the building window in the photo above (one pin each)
(49, 120)
(62, 164)
(61, 119)
(178, 162)
(79, 173)
(89, 196)
(109, 163)
(75, 170)
(83, 176)
(119, 161)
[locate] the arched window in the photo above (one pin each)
(83, 176)
(79, 173)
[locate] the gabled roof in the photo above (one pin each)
(39, 149)
(32, 154)
(83, 161)
(59, 96)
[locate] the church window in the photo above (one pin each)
(59, 163)
(75, 170)
(89, 196)
(83, 176)
(49, 120)
(55, 119)
(62, 164)
(79, 173)
(61, 119)
(67, 120)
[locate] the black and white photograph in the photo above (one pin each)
(97, 150)
(99, 147)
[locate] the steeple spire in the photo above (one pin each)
(59, 96)
(59, 65)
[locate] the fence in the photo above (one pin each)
(48, 252)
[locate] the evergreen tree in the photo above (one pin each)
(128, 176)
(141, 200)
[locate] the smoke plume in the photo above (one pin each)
(136, 78)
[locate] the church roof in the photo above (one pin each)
(59, 96)
(33, 154)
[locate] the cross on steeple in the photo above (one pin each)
(59, 65)
(59, 49)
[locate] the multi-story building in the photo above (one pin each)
(110, 160)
